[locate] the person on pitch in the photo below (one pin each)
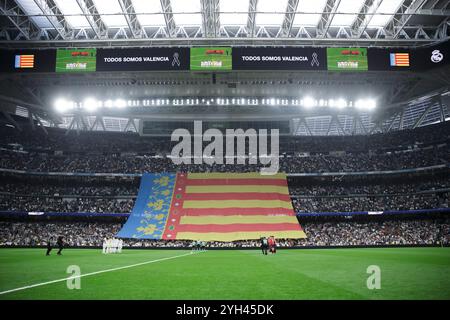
(264, 245)
(60, 244)
(49, 246)
(272, 245)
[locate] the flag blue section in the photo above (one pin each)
(151, 209)
(393, 64)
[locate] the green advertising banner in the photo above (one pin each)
(347, 59)
(211, 59)
(76, 60)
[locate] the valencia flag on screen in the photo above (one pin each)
(214, 207)
(399, 59)
(24, 61)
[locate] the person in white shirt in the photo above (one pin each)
(104, 246)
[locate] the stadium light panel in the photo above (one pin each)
(120, 103)
(109, 103)
(90, 104)
(365, 104)
(321, 102)
(308, 102)
(341, 103)
(62, 105)
(371, 104)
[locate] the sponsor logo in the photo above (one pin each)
(436, 56)
(347, 64)
(76, 66)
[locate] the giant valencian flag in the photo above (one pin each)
(212, 206)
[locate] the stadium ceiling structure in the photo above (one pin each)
(223, 22)
(405, 99)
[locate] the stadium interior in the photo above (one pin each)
(91, 92)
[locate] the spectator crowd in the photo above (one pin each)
(390, 232)
(308, 197)
(347, 162)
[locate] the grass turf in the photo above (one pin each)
(406, 273)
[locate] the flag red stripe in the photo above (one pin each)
(236, 196)
(237, 211)
(236, 182)
(238, 227)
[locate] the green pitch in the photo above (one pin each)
(64, 58)
(216, 55)
(335, 57)
(406, 273)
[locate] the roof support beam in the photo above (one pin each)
(41, 125)
(11, 120)
(402, 16)
(251, 18)
(434, 12)
(391, 123)
(93, 17)
(129, 124)
(402, 119)
(130, 16)
(31, 120)
(289, 18)
(168, 17)
(210, 18)
(98, 121)
(18, 18)
(364, 17)
(302, 120)
(422, 117)
(441, 109)
(56, 18)
(327, 17)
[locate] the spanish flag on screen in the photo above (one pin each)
(212, 207)
(24, 61)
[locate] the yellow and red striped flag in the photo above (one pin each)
(231, 206)
(399, 59)
(24, 61)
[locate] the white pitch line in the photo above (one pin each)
(96, 272)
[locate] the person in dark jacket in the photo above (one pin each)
(49, 245)
(60, 244)
(264, 245)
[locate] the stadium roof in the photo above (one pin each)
(223, 22)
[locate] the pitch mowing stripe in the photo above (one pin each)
(96, 272)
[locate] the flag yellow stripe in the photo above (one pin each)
(223, 175)
(220, 204)
(237, 219)
(233, 236)
(237, 189)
